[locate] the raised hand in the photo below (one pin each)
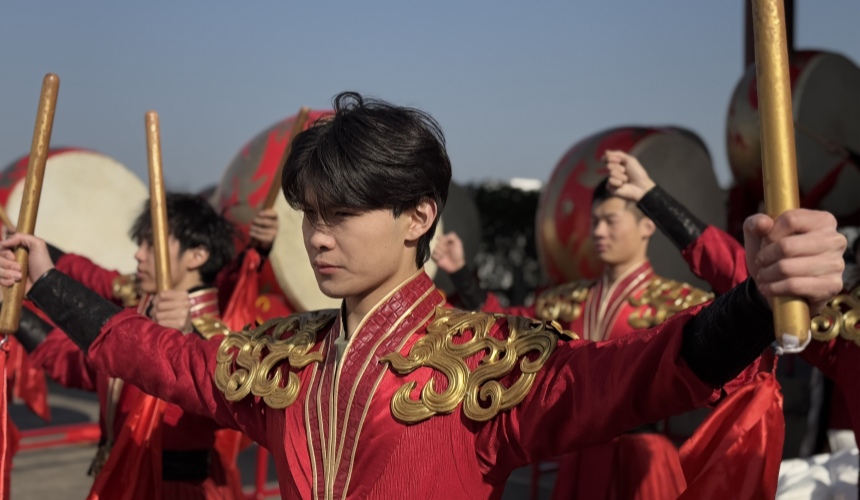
(449, 254)
(172, 309)
(628, 179)
(799, 254)
(264, 228)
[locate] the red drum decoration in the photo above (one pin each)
(826, 101)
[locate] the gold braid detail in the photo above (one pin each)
(839, 317)
(664, 298)
(125, 290)
(481, 392)
(257, 370)
(563, 302)
(209, 326)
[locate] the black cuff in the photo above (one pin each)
(471, 296)
(728, 335)
(676, 222)
(76, 309)
(54, 252)
(32, 330)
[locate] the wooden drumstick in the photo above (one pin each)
(157, 203)
(790, 314)
(10, 314)
(275, 186)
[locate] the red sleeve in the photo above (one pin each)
(91, 275)
(590, 392)
(838, 359)
(718, 259)
(177, 368)
(64, 362)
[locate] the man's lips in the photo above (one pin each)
(325, 267)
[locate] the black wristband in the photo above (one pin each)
(32, 330)
(76, 309)
(676, 222)
(54, 252)
(728, 335)
(469, 292)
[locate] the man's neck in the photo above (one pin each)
(615, 272)
(359, 306)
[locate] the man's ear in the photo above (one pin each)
(194, 258)
(647, 227)
(421, 218)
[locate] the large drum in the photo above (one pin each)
(88, 204)
(240, 194)
(826, 105)
(675, 158)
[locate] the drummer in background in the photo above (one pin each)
(627, 208)
(201, 244)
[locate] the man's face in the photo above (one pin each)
(618, 236)
(354, 253)
(145, 256)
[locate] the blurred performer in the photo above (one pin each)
(626, 210)
(393, 395)
(200, 245)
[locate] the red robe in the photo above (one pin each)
(333, 432)
(64, 362)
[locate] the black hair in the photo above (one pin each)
(369, 155)
(194, 223)
(601, 193)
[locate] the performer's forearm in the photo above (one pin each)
(32, 330)
(73, 307)
(673, 218)
(728, 335)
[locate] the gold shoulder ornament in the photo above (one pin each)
(250, 362)
(455, 336)
(839, 317)
(664, 298)
(209, 326)
(563, 302)
(124, 289)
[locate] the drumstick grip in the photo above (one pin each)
(13, 296)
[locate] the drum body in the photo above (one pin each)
(88, 204)
(826, 107)
(241, 193)
(675, 158)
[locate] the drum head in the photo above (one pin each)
(675, 158)
(88, 204)
(826, 105)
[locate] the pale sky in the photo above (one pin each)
(514, 84)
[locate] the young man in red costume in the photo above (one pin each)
(200, 246)
(394, 395)
(627, 208)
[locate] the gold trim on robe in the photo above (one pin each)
(662, 299)
(480, 389)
